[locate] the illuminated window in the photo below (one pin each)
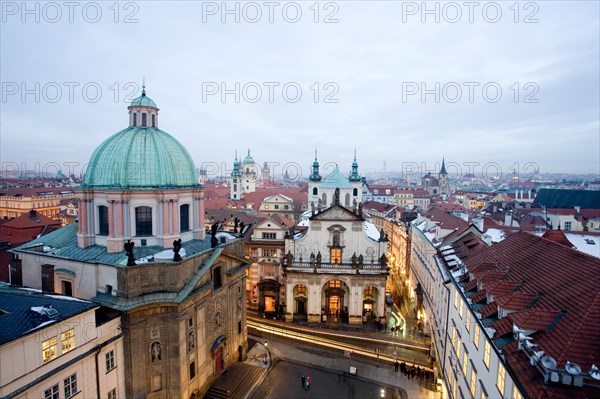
(369, 290)
(336, 255)
(473, 385)
(468, 321)
(501, 378)
(456, 299)
(465, 364)
(335, 284)
(476, 335)
(51, 393)
(516, 394)
(70, 386)
(49, 350)
(461, 308)
(67, 340)
(301, 289)
(266, 206)
(486, 353)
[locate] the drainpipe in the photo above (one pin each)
(97, 373)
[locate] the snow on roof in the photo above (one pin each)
(495, 235)
(585, 243)
(372, 231)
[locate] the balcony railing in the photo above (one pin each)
(351, 267)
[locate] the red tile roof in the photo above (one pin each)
(565, 310)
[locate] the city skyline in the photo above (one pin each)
(384, 78)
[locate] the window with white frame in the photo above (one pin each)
(486, 353)
(468, 321)
(501, 378)
(67, 340)
(51, 393)
(112, 394)
(49, 350)
(269, 236)
(567, 226)
(110, 360)
(70, 386)
(473, 385)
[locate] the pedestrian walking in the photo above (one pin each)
(308, 383)
(303, 381)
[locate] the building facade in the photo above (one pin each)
(140, 248)
(335, 269)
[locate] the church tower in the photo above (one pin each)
(313, 182)
(265, 175)
(443, 179)
(235, 187)
(248, 174)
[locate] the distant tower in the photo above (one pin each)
(313, 182)
(356, 183)
(235, 188)
(265, 175)
(354, 177)
(248, 174)
(443, 179)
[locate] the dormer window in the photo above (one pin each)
(144, 119)
(134, 119)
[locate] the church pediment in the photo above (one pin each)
(336, 212)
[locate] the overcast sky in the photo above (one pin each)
(488, 83)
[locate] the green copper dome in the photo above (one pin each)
(143, 101)
(140, 158)
(248, 159)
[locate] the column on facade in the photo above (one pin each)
(355, 305)
(289, 302)
(111, 218)
(126, 221)
(120, 218)
(165, 217)
(83, 220)
(200, 216)
(91, 218)
(175, 216)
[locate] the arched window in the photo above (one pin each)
(143, 119)
(234, 187)
(355, 192)
(324, 199)
(347, 199)
(315, 191)
(153, 120)
(135, 119)
(103, 220)
(143, 221)
(184, 217)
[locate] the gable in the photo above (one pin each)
(336, 212)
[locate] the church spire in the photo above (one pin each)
(443, 168)
(315, 169)
(354, 175)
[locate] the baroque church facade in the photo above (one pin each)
(335, 269)
(140, 250)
